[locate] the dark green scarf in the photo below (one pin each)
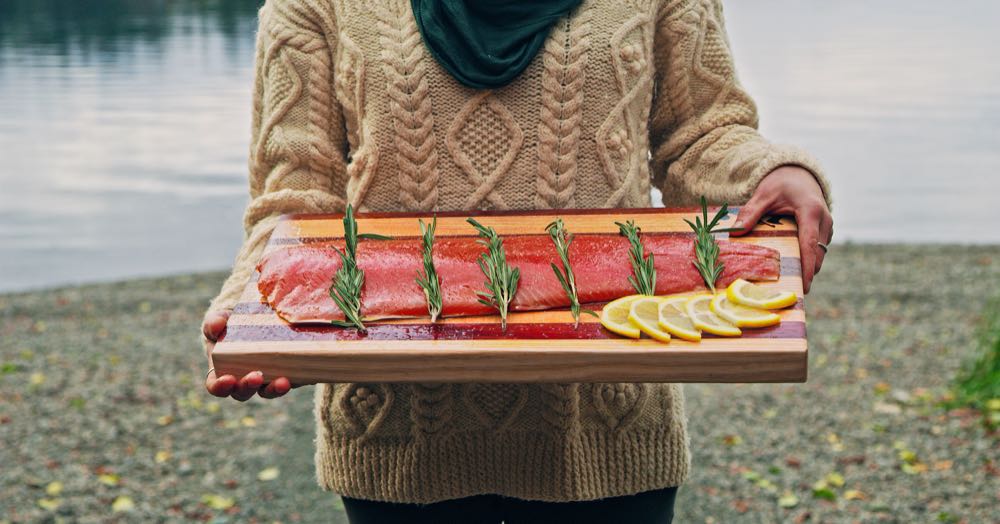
(485, 44)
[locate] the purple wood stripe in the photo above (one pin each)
(791, 267)
(556, 331)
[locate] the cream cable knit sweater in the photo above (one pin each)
(350, 107)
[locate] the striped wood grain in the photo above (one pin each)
(539, 346)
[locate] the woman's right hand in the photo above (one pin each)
(227, 385)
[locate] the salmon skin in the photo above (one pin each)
(296, 280)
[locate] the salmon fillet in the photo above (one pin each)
(296, 280)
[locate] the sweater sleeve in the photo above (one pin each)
(703, 126)
(298, 145)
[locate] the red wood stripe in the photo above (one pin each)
(558, 331)
(523, 212)
(259, 308)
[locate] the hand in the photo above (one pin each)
(792, 190)
(227, 385)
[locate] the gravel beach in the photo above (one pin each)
(103, 416)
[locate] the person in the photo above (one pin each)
(428, 105)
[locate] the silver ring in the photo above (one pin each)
(823, 246)
(210, 371)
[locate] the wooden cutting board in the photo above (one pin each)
(541, 346)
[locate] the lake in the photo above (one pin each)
(124, 124)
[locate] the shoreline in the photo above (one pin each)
(100, 386)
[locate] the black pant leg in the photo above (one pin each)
(481, 509)
(648, 507)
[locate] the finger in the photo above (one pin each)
(808, 222)
(826, 233)
(275, 388)
(214, 324)
(248, 385)
(750, 214)
(221, 386)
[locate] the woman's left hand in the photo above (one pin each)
(792, 190)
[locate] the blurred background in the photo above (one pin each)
(124, 124)
(124, 128)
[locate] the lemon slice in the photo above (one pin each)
(742, 316)
(644, 313)
(698, 309)
(746, 294)
(614, 317)
(675, 321)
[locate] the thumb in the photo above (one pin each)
(749, 215)
(214, 324)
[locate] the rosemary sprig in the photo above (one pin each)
(562, 239)
(501, 278)
(349, 278)
(643, 277)
(706, 249)
(428, 278)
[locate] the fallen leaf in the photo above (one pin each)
(741, 505)
(161, 456)
(268, 474)
(914, 469)
(793, 462)
(54, 488)
(122, 504)
(853, 494)
(824, 493)
(49, 504)
(108, 479)
(835, 479)
(217, 501)
(883, 408)
(164, 420)
(851, 460)
(993, 404)
(248, 421)
(907, 456)
(834, 441)
(882, 388)
(788, 500)
(942, 465)
(770, 413)
(37, 379)
(767, 485)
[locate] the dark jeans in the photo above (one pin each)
(648, 507)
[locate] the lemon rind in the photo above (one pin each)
(710, 328)
(770, 320)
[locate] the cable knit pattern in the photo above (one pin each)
(484, 139)
(565, 58)
(406, 84)
(349, 107)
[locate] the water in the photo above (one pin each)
(124, 124)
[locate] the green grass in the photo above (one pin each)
(978, 383)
